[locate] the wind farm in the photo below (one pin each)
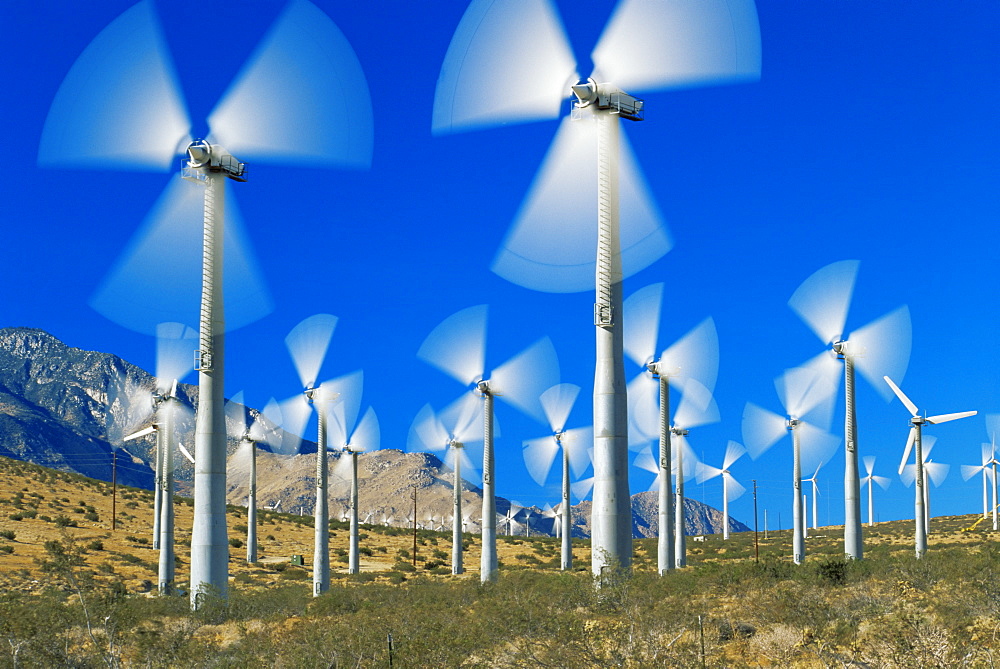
(769, 183)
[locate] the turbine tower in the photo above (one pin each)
(120, 107)
(353, 440)
(815, 494)
(988, 461)
(879, 348)
(871, 478)
(914, 442)
(522, 47)
(457, 346)
(731, 488)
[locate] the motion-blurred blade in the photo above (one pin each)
(157, 278)
(120, 106)
(643, 409)
(761, 429)
(809, 390)
(342, 470)
(680, 444)
(521, 380)
(236, 416)
(582, 488)
(906, 451)
(645, 460)
(968, 471)
(578, 442)
(266, 427)
(557, 402)
(882, 481)
(908, 473)
(551, 244)
(507, 62)
(883, 348)
(342, 404)
(697, 406)
(302, 96)
(822, 299)
(694, 356)
(817, 445)
(457, 346)
(705, 472)
(927, 443)
(869, 462)
(734, 488)
(426, 432)
(295, 412)
(944, 418)
(734, 451)
(910, 406)
(463, 419)
(367, 435)
(993, 426)
(307, 343)
(641, 315)
(539, 454)
(654, 45)
(175, 345)
(937, 472)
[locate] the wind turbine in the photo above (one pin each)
(353, 440)
(464, 426)
(502, 48)
(913, 441)
(513, 510)
(815, 493)
(993, 424)
(882, 481)
(968, 471)
(879, 348)
(934, 472)
(731, 488)
(120, 107)
(539, 455)
(806, 395)
(457, 346)
(694, 356)
(308, 343)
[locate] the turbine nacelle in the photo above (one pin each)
(792, 423)
(679, 431)
(212, 158)
(606, 96)
(847, 349)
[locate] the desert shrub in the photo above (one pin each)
(91, 516)
(63, 521)
(95, 545)
(6, 548)
(235, 542)
(8, 534)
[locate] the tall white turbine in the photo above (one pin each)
(993, 426)
(879, 348)
(539, 455)
(694, 356)
(986, 470)
(352, 440)
(511, 62)
(806, 394)
(457, 346)
(454, 431)
(914, 442)
(933, 472)
(868, 480)
(815, 494)
(120, 108)
(731, 488)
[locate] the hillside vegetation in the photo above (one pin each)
(76, 593)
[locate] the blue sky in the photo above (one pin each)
(871, 135)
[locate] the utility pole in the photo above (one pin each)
(114, 489)
(414, 526)
(756, 545)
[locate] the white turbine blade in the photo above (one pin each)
(141, 433)
(507, 62)
(236, 416)
(944, 418)
(907, 402)
(470, 470)
(761, 429)
(457, 346)
(993, 426)
(551, 244)
(426, 432)
(579, 443)
(906, 451)
(987, 453)
(582, 488)
(680, 444)
(697, 406)
(937, 472)
(343, 402)
(295, 412)
(882, 481)
(641, 315)
(694, 356)
(557, 402)
(822, 299)
(808, 390)
(968, 471)
(342, 469)
(521, 380)
(539, 454)
(302, 96)
(185, 452)
(927, 443)
(643, 409)
(734, 451)
(705, 472)
(734, 488)
(882, 348)
(120, 106)
(463, 419)
(266, 427)
(366, 436)
(655, 45)
(817, 445)
(869, 462)
(307, 343)
(175, 346)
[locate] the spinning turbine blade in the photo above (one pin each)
(367, 435)
(550, 246)
(539, 454)
(426, 431)
(457, 346)
(641, 314)
(694, 356)
(734, 450)
(295, 412)
(883, 348)
(308, 342)
(463, 419)
(869, 461)
(651, 45)
(557, 402)
(343, 402)
(697, 406)
(643, 409)
(822, 299)
(120, 106)
(818, 446)
(521, 380)
(477, 88)
(165, 253)
(577, 442)
(761, 429)
(301, 96)
(175, 346)
(810, 389)
(937, 472)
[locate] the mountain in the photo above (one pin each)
(69, 409)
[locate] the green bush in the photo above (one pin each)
(8, 534)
